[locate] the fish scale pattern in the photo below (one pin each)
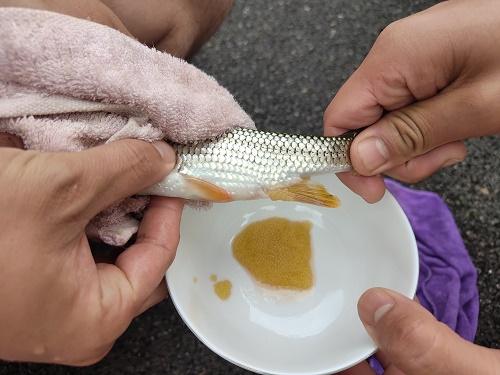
(245, 155)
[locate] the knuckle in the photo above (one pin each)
(64, 176)
(408, 131)
(411, 173)
(66, 184)
(173, 242)
(138, 160)
(412, 179)
(390, 36)
(412, 345)
(480, 96)
(414, 175)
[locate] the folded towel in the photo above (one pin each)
(447, 280)
(68, 84)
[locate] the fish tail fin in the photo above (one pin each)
(305, 191)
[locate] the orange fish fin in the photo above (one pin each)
(209, 191)
(305, 191)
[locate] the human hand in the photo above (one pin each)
(58, 305)
(430, 81)
(72, 309)
(413, 342)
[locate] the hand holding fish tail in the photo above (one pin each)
(429, 81)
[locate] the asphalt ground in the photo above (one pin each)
(284, 61)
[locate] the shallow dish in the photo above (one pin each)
(355, 247)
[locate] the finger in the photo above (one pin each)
(82, 184)
(414, 340)
(371, 189)
(118, 170)
(358, 102)
(156, 297)
(393, 75)
(407, 63)
(145, 263)
(422, 166)
(385, 361)
(417, 129)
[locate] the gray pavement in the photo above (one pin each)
(284, 61)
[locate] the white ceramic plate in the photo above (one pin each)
(355, 247)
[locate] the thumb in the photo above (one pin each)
(415, 342)
(412, 142)
(415, 141)
(117, 170)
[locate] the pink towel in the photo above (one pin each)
(68, 84)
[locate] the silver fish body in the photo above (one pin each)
(249, 164)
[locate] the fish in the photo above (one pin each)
(244, 164)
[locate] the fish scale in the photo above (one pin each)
(298, 154)
(248, 164)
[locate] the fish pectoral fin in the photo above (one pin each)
(305, 191)
(208, 191)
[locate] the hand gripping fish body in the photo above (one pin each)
(244, 164)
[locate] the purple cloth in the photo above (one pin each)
(447, 279)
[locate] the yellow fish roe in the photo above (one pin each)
(277, 252)
(223, 289)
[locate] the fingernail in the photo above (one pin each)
(449, 162)
(166, 152)
(373, 153)
(373, 305)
